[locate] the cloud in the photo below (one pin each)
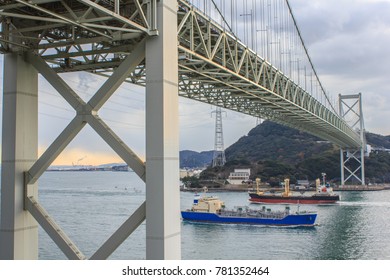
(348, 43)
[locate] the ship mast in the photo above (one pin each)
(286, 187)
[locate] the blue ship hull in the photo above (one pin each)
(304, 219)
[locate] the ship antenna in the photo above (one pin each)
(323, 178)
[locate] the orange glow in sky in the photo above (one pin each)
(76, 156)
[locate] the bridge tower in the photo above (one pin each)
(352, 160)
(122, 37)
(219, 150)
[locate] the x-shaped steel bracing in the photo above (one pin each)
(85, 113)
(355, 114)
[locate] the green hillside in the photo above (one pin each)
(191, 159)
(274, 152)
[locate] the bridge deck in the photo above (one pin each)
(214, 66)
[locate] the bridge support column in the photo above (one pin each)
(342, 167)
(162, 138)
(18, 229)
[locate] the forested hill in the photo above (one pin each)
(192, 159)
(378, 141)
(273, 152)
(271, 141)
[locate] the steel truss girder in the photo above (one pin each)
(216, 58)
(59, 29)
(94, 36)
(85, 113)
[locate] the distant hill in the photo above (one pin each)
(191, 159)
(271, 141)
(274, 152)
(378, 141)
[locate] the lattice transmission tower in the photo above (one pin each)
(219, 150)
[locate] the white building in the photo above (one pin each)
(190, 173)
(239, 176)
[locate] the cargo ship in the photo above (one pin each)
(323, 195)
(209, 209)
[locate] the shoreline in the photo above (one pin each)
(243, 188)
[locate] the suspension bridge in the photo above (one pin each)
(246, 56)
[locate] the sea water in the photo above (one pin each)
(90, 206)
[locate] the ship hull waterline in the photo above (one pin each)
(273, 199)
(289, 220)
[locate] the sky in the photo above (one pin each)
(348, 41)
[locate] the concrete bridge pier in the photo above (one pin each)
(162, 138)
(18, 229)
